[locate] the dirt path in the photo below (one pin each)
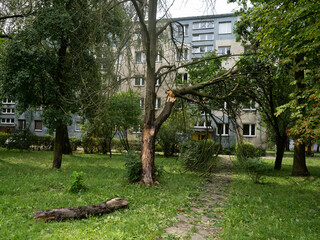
(203, 219)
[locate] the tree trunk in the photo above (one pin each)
(58, 142)
(147, 156)
(66, 146)
(81, 211)
(280, 146)
(299, 160)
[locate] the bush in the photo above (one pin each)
(245, 150)
(133, 166)
(45, 142)
(77, 182)
(90, 144)
(248, 157)
(3, 139)
(197, 155)
(20, 140)
(75, 143)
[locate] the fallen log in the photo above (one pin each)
(81, 211)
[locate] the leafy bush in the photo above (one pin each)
(133, 166)
(248, 157)
(245, 150)
(44, 142)
(20, 140)
(77, 182)
(3, 139)
(75, 143)
(89, 144)
(197, 155)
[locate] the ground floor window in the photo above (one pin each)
(38, 125)
(249, 130)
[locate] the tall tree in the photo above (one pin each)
(151, 30)
(50, 61)
(289, 31)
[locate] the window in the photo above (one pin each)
(136, 129)
(223, 129)
(7, 120)
(249, 105)
(140, 57)
(158, 82)
(118, 78)
(158, 103)
(249, 130)
(202, 37)
(8, 110)
(202, 25)
(182, 54)
(139, 81)
(202, 49)
(183, 30)
(224, 27)
(21, 124)
(224, 50)
(141, 102)
(38, 125)
(159, 57)
(182, 78)
(118, 60)
(7, 101)
(203, 124)
(77, 125)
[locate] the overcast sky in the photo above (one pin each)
(184, 8)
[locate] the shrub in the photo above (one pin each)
(89, 144)
(245, 150)
(20, 140)
(75, 143)
(45, 142)
(133, 166)
(77, 182)
(3, 139)
(197, 155)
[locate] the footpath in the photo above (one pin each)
(203, 219)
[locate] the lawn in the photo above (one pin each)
(283, 207)
(28, 184)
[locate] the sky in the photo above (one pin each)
(184, 8)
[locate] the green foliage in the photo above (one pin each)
(89, 144)
(133, 166)
(249, 159)
(197, 155)
(245, 150)
(3, 139)
(20, 140)
(77, 182)
(75, 143)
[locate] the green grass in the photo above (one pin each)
(28, 184)
(283, 207)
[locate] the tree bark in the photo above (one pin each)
(66, 147)
(299, 160)
(81, 211)
(147, 156)
(58, 142)
(280, 146)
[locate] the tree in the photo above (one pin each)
(151, 31)
(50, 61)
(289, 31)
(117, 114)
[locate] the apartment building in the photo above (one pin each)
(194, 36)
